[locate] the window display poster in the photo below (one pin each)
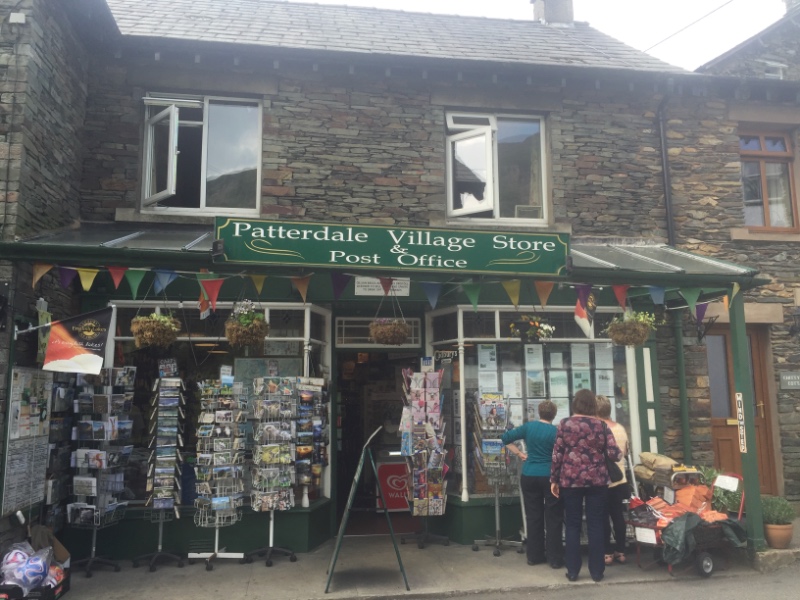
(581, 380)
(604, 383)
(562, 409)
(487, 381)
(25, 473)
(534, 357)
(536, 384)
(559, 384)
(580, 356)
(603, 356)
(31, 390)
(487, 357)
(515, 412)
(533, 410)
(556, 360)
(512, 384)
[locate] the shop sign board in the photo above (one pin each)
(790, 380)
(393, 479)
(287, 243)
(740, 423)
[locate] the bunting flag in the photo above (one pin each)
(203, 305)
(134, 278)
(473, 291)
(258, 282)
(700, 313)
(163, 278)
(690, 295)
(212, 287)
(657, 294)
(583, 290)
(432, 291)
(726, 303)
(339, 282)
(39, 271)
(386, 284)
(735, 290)
(116, 274)
(584, 315)
(66, 275)
(621, 292)
(87, 277)
(301, 285)
(543, 289)
(78, 344)
(512, 289)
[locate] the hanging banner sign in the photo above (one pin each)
(78, 344)
(740, 423)
(394, 248)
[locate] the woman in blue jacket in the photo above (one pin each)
(544, 513)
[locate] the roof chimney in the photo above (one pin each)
(560, 12)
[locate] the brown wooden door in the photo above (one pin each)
(724, 428)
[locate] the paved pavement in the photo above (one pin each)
(367, 567)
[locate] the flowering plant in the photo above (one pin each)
(530, 328)
(632, 328)
(246, 326)
(389, 331)
(155, 330)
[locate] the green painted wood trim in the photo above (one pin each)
(646, 432)
(680, 364)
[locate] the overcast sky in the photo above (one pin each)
(639, 23)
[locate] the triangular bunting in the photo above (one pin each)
(39, 271)
(583, 290)
(473, 291)
(700, 313)
(211, 287)
(163, 278)
(134, 278)
(87, 277)
(657, 294)
(66, 275)
(301, 285)
(386, 284)
(203, 305)
(432, 291)
(726, 303)
(117, 273)
(690, 295)
(258, 282)
(735, 290)
(543, 289)
(621, 293)
(512, 289)
(339, 282)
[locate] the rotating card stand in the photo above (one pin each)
(160, 516)
(102, 519)
(423, 536)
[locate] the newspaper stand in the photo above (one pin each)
(501, 472)
(102, 519)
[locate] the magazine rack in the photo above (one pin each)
(101, 521)
(423, 536)
(159, 516)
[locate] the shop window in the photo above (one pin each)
(202, 154)
(495, 167)
(767, 181)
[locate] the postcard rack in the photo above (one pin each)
(158, 516)
(220, 467)
(491, 418)
(273, 472)
(101, 520)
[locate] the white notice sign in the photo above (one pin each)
(371, 286)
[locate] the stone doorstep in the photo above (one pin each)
(773, 560)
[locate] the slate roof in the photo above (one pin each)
(369, 31)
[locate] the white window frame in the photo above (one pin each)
(457, 130)
(172, 105)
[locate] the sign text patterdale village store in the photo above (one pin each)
(395, 248)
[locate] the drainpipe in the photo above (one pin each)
(665, 178)
(677, 328)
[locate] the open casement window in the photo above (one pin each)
(767, 181)
(202, 154)
(495, 167)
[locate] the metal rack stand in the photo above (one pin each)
(101, 521)
(160, 517)
(423, 536)
(205, 517)
(268, 551)
(497, 540)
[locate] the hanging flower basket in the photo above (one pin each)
(155, 330)
(246, 326)
(391, 332)
(530, 328)
(632, 329)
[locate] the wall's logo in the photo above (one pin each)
(396, 482)
(89, 329)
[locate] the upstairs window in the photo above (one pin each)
(495, 167)
(202, 154)
(767, 181)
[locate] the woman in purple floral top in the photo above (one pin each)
(578, 473)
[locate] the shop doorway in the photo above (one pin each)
(724, 425)
(371, 396)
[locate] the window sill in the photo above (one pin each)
(129, 215)
(749, 235)
(496, 225)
